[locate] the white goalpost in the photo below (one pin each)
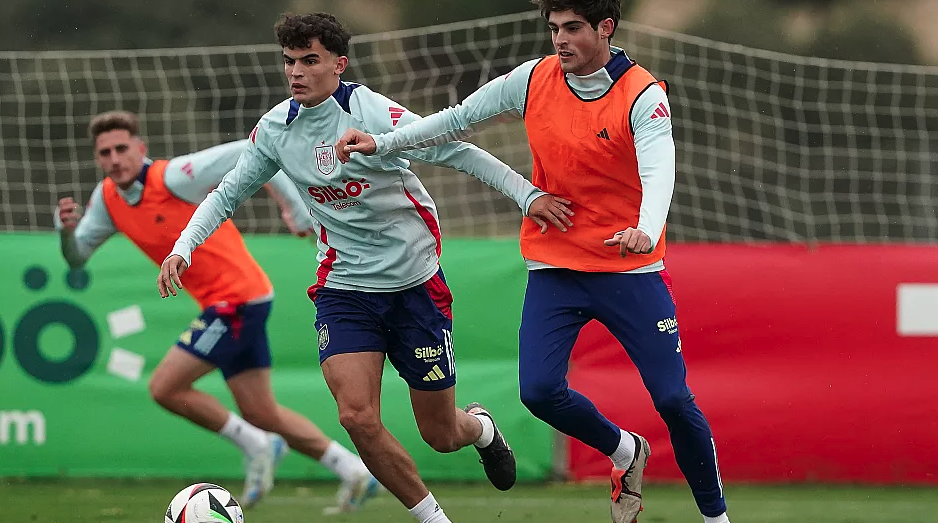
(771, 147)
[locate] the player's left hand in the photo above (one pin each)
(550, 208)
(354, 141)
(630, 240)
(171, 273)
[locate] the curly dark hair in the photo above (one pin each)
(296, 31)
(594, 11)
(113, 121)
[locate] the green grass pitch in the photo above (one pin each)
(113, 501)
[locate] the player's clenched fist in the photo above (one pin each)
(69, 213)
(170, 274)
(630, 240)
(354, 141)
(549, 208)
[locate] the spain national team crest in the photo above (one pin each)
(323, 337)
(580, 126)
(325, 158)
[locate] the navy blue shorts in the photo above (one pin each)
(638, 309)
(232, 338)
(414, 327)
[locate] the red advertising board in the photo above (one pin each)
(817, 364)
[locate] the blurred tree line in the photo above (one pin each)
(840, 29)
(32, 25)
(846, 29)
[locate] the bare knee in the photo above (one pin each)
(163, 392)
(440, 439)
(360, 421)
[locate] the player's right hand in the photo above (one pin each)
(69, 213)
(354, 141)
(549, 208)
(171, 273)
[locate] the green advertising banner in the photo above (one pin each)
(77, 349)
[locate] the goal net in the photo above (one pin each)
(770, 147)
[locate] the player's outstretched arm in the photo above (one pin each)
(372, 110)
(253, 170)
(541, 207)
(191, 176)
(80, 235)
(501, 99)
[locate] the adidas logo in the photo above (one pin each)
(188, 170)
(396, 113)
(603, 134)
(435, 374)
(660, 112)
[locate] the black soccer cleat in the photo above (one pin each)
(497, 459)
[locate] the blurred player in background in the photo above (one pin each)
(380, 291)
(150, 202)
(599, 128)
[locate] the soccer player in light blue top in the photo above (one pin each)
(150, 201)
(380, 291)
(599, 128)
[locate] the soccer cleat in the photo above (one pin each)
(260, 469)
(354, 493)
(627, 485)
(497, 459)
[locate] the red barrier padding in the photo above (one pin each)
(794, 357)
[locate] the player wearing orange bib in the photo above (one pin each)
(599, 128)
(151, 202)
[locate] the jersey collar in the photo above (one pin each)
(342, 95)
(594, 85)
(134, 193)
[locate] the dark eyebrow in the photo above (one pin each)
(310, 55)
(566, 24)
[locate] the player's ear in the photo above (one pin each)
(606, 27)
(340, 64)
(142, 146)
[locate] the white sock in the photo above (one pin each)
(247, 437)
(622, 456)
(488, 431)
(429, 511)
(342, 462)
(722, 518)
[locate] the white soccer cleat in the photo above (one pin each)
(627, 485)
(354, 493)
(260, 470)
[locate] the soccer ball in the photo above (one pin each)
(204, 503)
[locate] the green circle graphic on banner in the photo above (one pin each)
(76, 362)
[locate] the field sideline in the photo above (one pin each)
(145, 501)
